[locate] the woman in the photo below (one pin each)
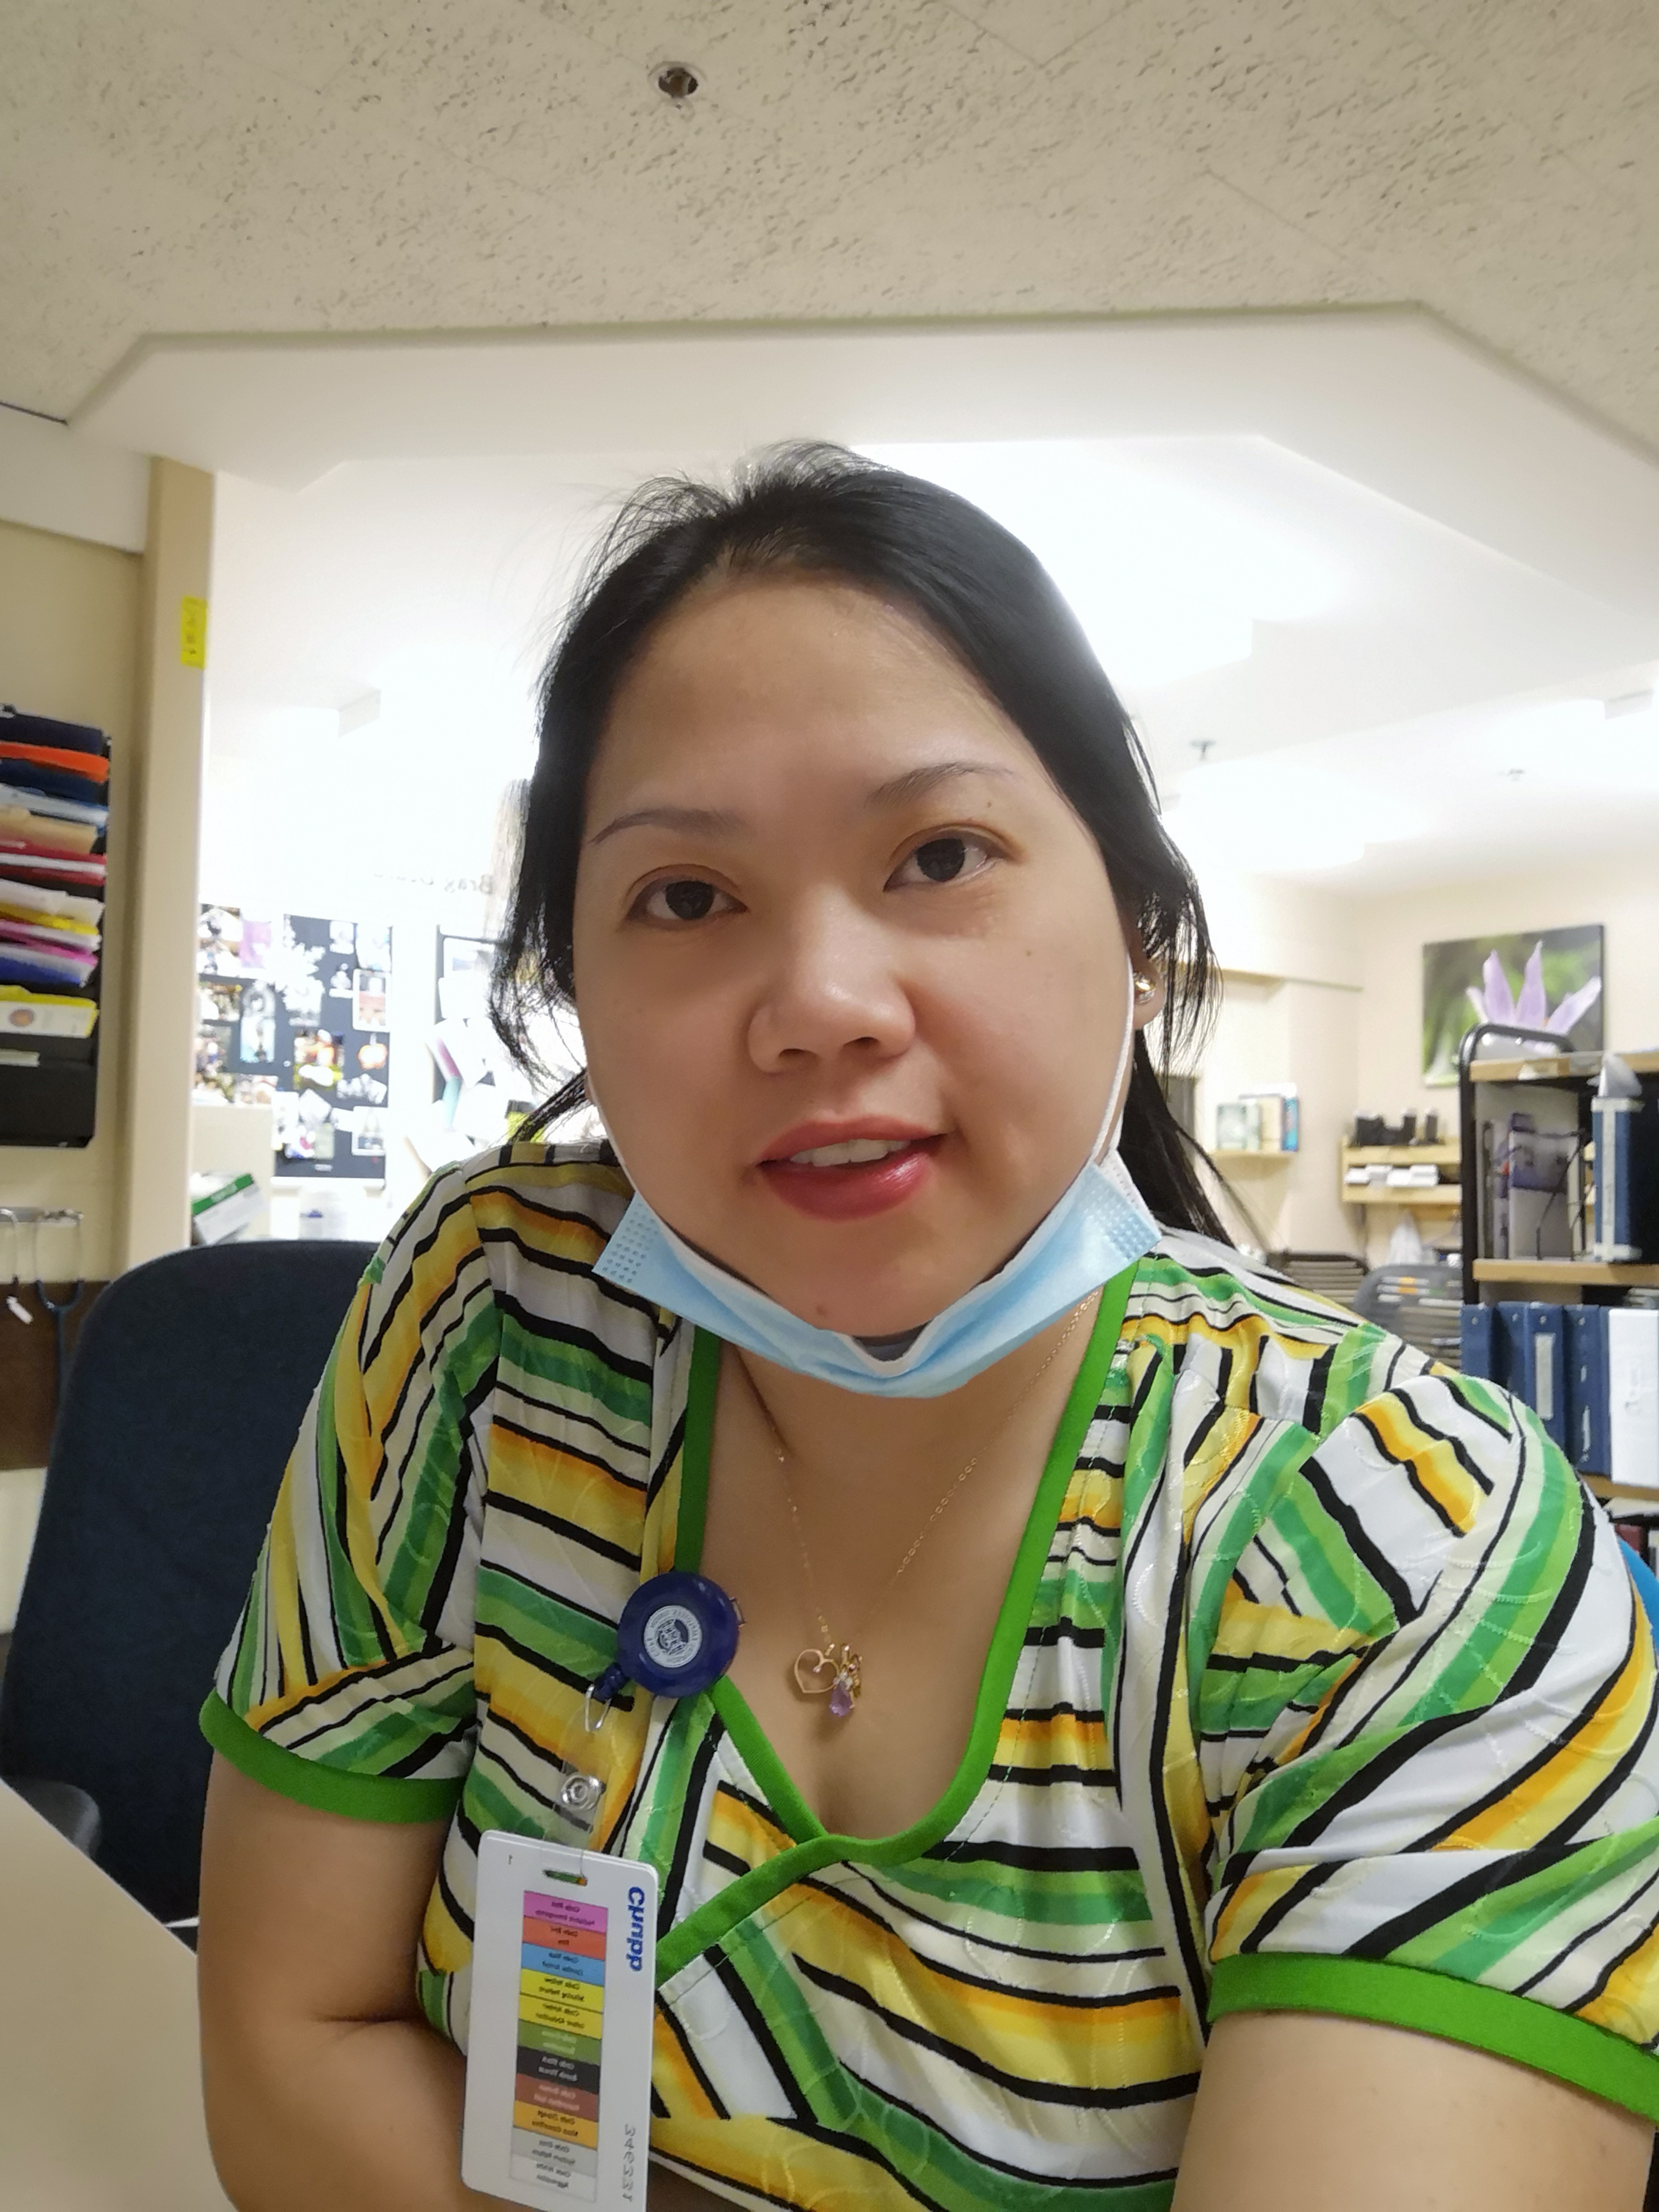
(1174, 1730)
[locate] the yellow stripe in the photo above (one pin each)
(1538, 1802)
(1027, 2034)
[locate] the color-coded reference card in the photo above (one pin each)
(559, 2023)
(555, 2108)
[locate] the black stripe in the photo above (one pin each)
(1425, 1649)
(572, 1338)
(1063, 1630)
(1047, 1778)
(1465, 1398)
(1375, 1563)
(391, 1696)
(1319, 1383)
(668, 1904)
(1549, 1750)
(441, 1583)
(1460, 1450)
(569, 1451)
(671, 1452)
(980, 1941)
(1192, 1957)
(1552, 1966)
(1072, 2180)
(518, 1509)
(562, 1414)
(307, 1653)
(493, 1632)
(1035, 2092)
(405, 1250)
(1037, 1859)
(1406, 1461)
(1485, 1882)
(1227, 1662)
(1112, 2001)
(753, 2019)
(693, 2062)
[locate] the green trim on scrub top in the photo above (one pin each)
(1517, 2028)
(814, 1845)
(330, 1788)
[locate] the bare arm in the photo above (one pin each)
(324, 2086)
(1300, 2113)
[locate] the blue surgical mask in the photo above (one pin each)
(1097, 1227)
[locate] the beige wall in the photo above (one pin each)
(170, 760)
(1622, 895)
(69, 648)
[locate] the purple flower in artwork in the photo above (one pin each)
(1495, 1002)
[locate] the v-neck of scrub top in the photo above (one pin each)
(814, 1845)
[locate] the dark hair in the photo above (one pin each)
(821, 510)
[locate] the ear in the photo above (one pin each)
(1150, 995)
(1149, 992)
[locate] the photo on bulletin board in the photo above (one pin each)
(1544, 979)
(292, 1013)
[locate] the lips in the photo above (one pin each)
(849, 1170)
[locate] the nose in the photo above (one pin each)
(831, 988)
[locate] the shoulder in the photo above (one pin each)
(1231, 1328)
(1295, 1421)
(522, 1223)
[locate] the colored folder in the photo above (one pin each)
(1587, 1386)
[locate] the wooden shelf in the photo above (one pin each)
(1252, 1156)
(1602, 1486)
(1401, 1155)
(1638, 1276)
(1551, 1067)
(1433, 1197)
(1444, 1197)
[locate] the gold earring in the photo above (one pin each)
(1144, 987)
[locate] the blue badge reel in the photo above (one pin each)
(677, 1634)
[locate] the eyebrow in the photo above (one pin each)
(916, 782)
(717, 821)
(710, 821)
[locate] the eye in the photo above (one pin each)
(947, 859)
(684, 898)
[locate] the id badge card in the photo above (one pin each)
(558, 2066)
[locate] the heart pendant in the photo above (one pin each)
(815, 1673)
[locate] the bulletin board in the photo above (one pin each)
(292, 1013)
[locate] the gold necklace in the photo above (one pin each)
(833, 1668)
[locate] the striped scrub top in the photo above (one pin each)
(1318, 1684)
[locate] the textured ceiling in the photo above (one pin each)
(173, 166)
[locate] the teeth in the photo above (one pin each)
(856, 1152)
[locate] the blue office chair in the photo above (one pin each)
(189, 1383)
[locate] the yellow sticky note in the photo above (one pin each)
(193, 633)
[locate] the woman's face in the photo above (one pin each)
(828, 895)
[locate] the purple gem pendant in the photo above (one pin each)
(834, 1670)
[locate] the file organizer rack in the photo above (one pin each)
(1560, 1086)
(49, 1085)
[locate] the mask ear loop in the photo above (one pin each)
(1139, 987)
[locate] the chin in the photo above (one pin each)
(867, 1311)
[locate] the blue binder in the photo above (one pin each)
(1587, 1388)
(1481, 1344)
(1626, 1177)
(1537, 1349)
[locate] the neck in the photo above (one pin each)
(845, 1439)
